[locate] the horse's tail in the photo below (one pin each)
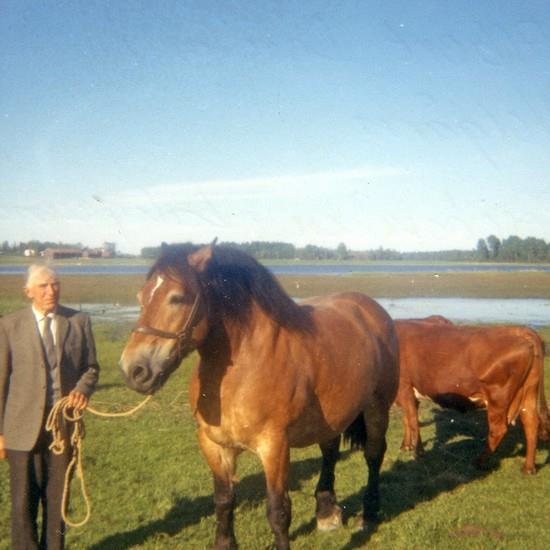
(356, 433)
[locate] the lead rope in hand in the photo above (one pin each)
(61, 411)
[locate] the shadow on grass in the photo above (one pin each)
(185, 512)
(190, 511)
(459, 439)
(448, 464)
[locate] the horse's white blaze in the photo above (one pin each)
(158, 284)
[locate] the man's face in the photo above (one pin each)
(43, 290)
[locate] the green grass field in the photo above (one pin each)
(150, 487)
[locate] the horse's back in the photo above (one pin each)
(353, 303)
(355, 325)
(363, 316)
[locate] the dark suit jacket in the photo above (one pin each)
(23, 370)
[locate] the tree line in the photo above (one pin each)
(489, 249)
(513, 249)
(274, 250)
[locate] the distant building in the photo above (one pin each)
(108, 250)
(62, 253)
(29, 252)
(91, 253)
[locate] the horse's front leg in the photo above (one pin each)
(275, 457)
(222, 462)
(327, 511)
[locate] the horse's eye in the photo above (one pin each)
(177, 299)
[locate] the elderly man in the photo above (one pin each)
(47, 351)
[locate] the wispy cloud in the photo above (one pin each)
(260, 187)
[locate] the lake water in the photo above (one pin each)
(290, 269)
(533, 312)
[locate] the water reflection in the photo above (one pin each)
(523, 311)
(530, 311)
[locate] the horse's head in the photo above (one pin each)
(173, 320)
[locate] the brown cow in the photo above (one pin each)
(501, 368)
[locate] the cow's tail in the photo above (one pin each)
(542, 405)
(356, 433)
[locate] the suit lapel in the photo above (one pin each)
(33, 336)
(62, 331)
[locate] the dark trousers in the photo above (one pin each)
(37, 477)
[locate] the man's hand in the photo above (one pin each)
(77, 400)
(2, 448)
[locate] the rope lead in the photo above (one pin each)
(61, 412)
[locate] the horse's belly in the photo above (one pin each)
(316, 425)
(304, 436)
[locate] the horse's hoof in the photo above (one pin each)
(329, 523)
(528, 470)
(482, 463)
(362, 524)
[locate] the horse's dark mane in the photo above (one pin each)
(173, 257)
(233, 281)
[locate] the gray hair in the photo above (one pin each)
(34, 270)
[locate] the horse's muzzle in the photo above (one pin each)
(140, 377)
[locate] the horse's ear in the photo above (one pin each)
(199, 259)
(163, 246)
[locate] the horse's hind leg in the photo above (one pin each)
(376, 423)
(222, 463)
(327, 512)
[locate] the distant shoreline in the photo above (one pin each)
(122, 288)
(138, 261)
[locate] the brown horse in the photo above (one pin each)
(272, 374)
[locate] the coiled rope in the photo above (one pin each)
(61, 412)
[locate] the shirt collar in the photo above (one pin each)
(39, 316)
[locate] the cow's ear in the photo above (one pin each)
(200, 259)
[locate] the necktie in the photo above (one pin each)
(49, 345)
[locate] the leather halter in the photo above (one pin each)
(184, 336)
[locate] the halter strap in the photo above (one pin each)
(184, 336)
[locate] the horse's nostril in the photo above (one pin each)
(140, 374)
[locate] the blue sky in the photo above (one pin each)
(412, 125)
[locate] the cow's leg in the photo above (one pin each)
(222, 462)
(327, 511)
(406, 444)
(496, 418)
(411, 427)
(274, 453)
(530, 422)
